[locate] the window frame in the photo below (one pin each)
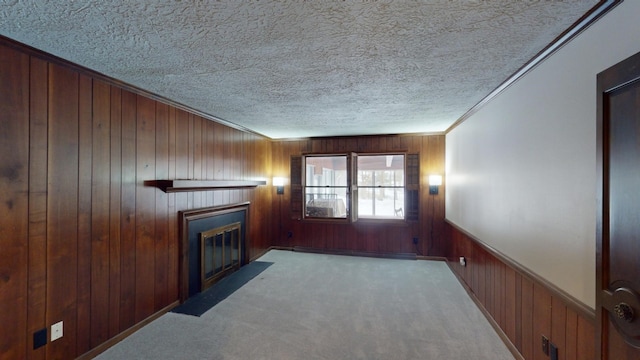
(373, 187)
(352, 189)
(346, 188)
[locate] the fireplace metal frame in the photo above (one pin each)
(235, 231)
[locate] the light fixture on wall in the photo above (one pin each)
(278, 182)
(434, 184)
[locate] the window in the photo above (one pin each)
(352, 186)
(381, 186)
(325, 186)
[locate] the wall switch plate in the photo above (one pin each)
(545, 345)
(56, 331)
(39, 338)
(553, 351)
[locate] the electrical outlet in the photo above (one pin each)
(463, 261)
(415, 240)
(545, 345)
(289, 234)
(56, 331)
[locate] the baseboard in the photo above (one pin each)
(503, 336)
(405, 256)
(431, 258)
(285, 248)
(116, 339)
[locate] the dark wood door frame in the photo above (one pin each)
(609, 315)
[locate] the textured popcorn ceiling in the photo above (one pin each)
(302, 68)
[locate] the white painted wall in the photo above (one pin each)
(521, 172)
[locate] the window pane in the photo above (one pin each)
(381, 202)
(326, 202)
(326, 186)
(326, 171)
(381, 186)
(381, 170)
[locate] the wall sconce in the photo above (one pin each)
(278, 182)
(434, 184)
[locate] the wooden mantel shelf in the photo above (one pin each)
(202, 185)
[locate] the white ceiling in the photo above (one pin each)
(288, 69)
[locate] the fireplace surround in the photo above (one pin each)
(226, 224)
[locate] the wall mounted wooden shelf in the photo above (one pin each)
(202, 185)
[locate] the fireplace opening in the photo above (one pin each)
(213, 245)
(220, 250)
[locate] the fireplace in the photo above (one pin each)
(212, 245)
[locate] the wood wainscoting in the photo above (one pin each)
(522, 306)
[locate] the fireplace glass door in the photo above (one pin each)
(219, 253)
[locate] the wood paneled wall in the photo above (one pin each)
(82, 240)
(523, 306)
(365, 236)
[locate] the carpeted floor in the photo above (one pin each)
(314, 306)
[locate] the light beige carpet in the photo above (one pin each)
(313, 306)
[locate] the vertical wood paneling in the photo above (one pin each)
(189, 161)
(62, 208)
(182, 168)
(239, 141)
(436, 166)
(115, 214)
(586, 340)
(559, 326)
(265, 196)
(172, 251)
(161, 212)
(501, 295)
(14, 201)
(489, 281)
(236, 173)
(482, 265)
(38, 142)
(473, 263)
(182, 155)
(542, 319)
(197, 158)
(100, 238)
(218, 160)
(227, 161)
(83, 240)
(85, 132)
(571, 335)
(519, 317)
(145, 207)
(527, 319)
(128, 212)
(209, 156)
(523, 307)
(510, 312)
